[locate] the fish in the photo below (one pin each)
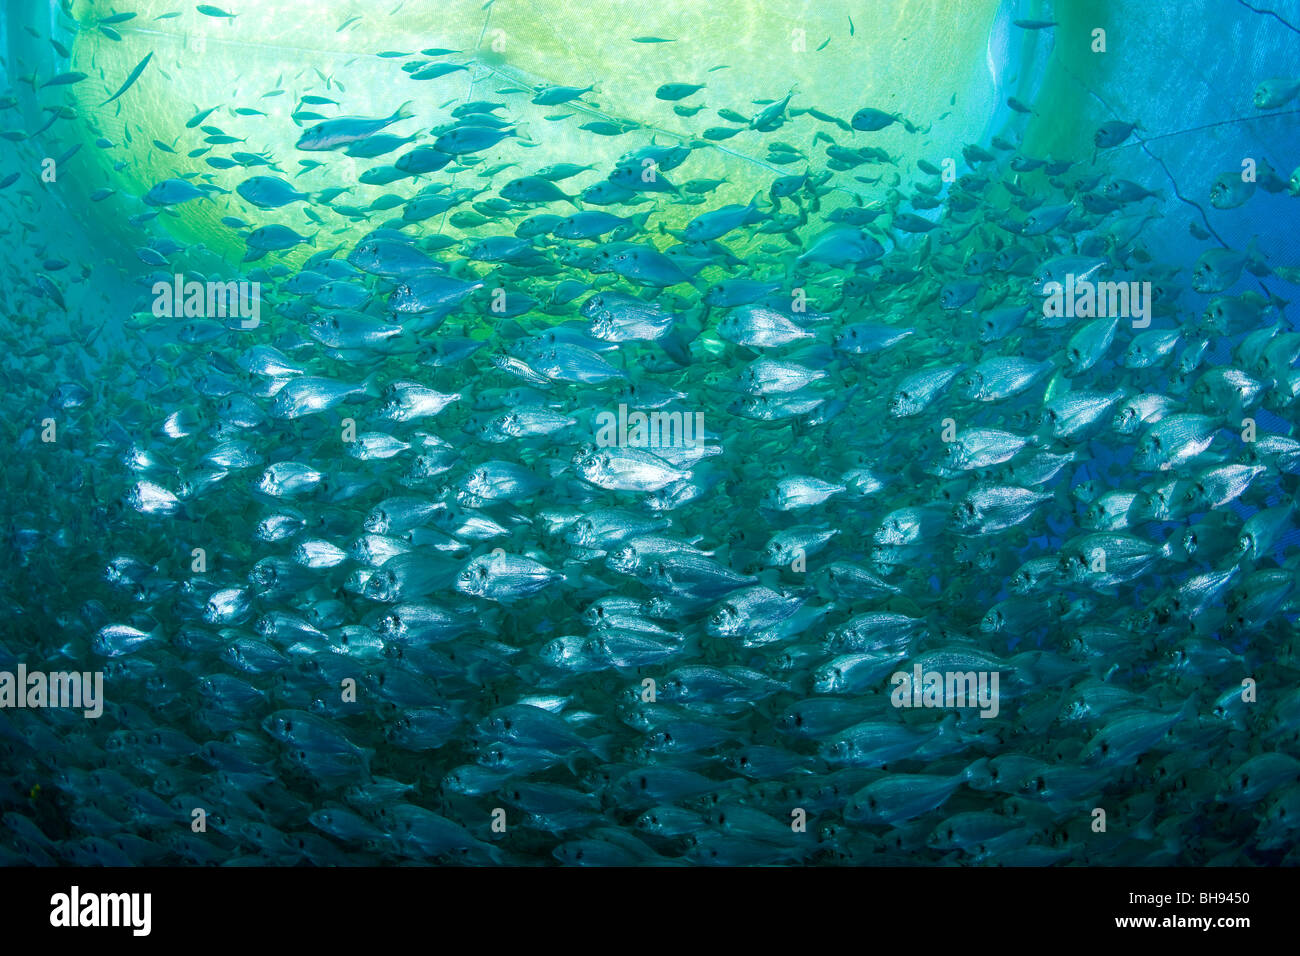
(65, 79)
(1219, 269)
(555, 95)
(673, 92)
(343, 130)
(687, 473)
(1275, 93)
(171, 192)
(871, 120)
(130, 79)
(269, 192)
(1113, 133)
(465, 139)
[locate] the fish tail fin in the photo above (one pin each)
(402, 112)
(1256, 261)
(946, 726)
(602, 747)
(370, 386)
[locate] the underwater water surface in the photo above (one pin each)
(603, 433)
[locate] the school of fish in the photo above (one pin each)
(397, 573)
